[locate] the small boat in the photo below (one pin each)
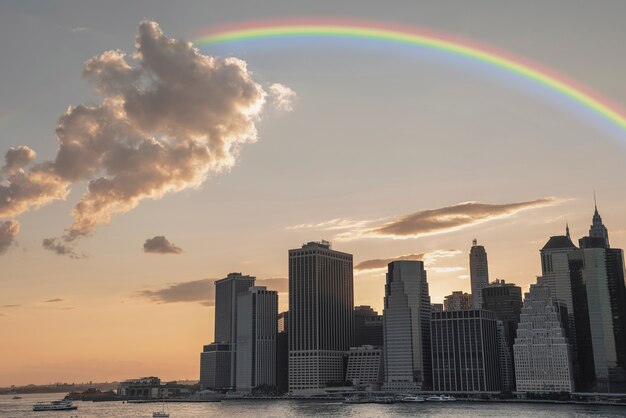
(357, 399)
(441, 398)
(54, 406)
(16, 397)
(160, 415)
(411, 399)
(384, 399)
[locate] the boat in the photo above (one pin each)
(357, 399)
(411, 399)
(384, 399)
(54, 406)
(16, 397)
(160, 415)
(441, 398)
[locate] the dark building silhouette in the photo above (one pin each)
(368, 326)
(215, 367)
(465, 351)
(479, 272)
(282, 362)
(321, 321)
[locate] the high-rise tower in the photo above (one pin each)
(321, 321)
(479, 272)
(406, 325)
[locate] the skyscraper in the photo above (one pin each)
(257, 310)
(368, 327)
(215, 367)
(321, 321)
(226, 292)
(599, 297)
(465, 351)
(457, 301)
(541, 350)
(479, 272)
(406, 319)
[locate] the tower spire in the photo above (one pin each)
(595, 202)
(567, 230)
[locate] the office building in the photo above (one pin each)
(479, 272)
(457, 301)
(505, 300)
(436, 307)
(465, 354)
(215, 367)
(365, 367)
(541, 350)
(321, 320)
(406, 319)
(226, 292)
(283, 321)
(282, 362)
(257, 311)
(368, 327)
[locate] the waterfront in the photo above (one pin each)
(19, 408)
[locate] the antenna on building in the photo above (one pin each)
(595, 202)
(475, 242)
(567, 230)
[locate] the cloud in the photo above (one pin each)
(442, 220)
(10, 306)
(18, 158)
(8, 232)
(160, 245)
(333, 224)
(429, 259)
(201, 291)
(55, 300)
(282, 97)
(169, 117)
(60, 247)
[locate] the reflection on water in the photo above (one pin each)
(18, 408)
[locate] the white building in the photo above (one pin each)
(479, 273)
(406, 324)
(541, 350)
(257, 310)
(365, 366)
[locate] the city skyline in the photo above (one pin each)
(394, 162)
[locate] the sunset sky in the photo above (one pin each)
(225, 164)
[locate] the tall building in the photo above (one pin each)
(282, 362)
(215, 367)
(505, 300)
(479, 272)
(465, 354)
(599, 296)
(541, 350)
(321, 321)
(226, 292)
(368, 326)
(365, 367)
(436, 307)
(457, 301)
(406, 320)
(257, 310)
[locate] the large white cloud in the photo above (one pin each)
(167, 119)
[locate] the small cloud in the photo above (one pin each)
(18, 158)
(463, 276)
(445, 269)
(55, 300)
(10, 306)
(201, 291)
(160, 245)
(8, 232)
(428, 258)
(60, 247)
(332, 225)
(282, 97)
(80, 29)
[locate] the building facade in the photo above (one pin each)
(457, 301)
(215, 367)
(321, 321)
(541, 350)
(368, 327)
(257, 311)
(406, 319)
(365, 367)
(465, 355)
(479, 272)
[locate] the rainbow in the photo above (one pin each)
(325, 28)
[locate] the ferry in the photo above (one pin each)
(384, 399)
(441, 398)
(411, 399)
(54, 406)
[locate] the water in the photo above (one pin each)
(18, 408)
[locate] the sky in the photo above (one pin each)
(134, 178)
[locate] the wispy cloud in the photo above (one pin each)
(201, 291)
(426, 222)
(55, 300)
(10, 306)
(8, 232)
(429, 258)
(160, 245)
